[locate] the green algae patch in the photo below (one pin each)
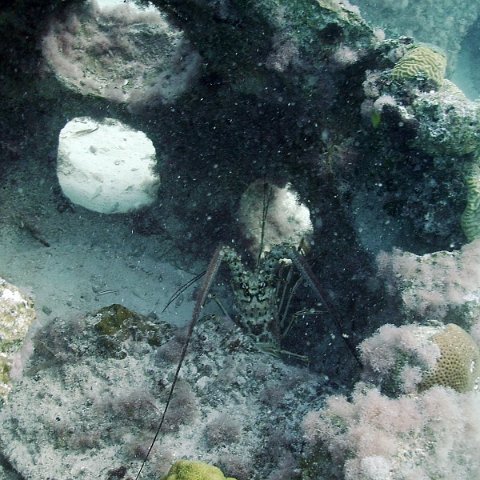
(114, 319)
(116, 325)
(192, 470)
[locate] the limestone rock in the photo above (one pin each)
(16, 316)
(122, 54)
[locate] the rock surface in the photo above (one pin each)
(122, 54)
(16, 316)
(89, 401)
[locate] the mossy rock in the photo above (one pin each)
(192, 470)
(116, 324)
(449, 122)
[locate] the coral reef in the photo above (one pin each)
(396, 359)
(441, 285)
(417, 417)
(381, 152)
(413, 358)
(431, 435)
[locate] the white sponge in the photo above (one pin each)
(271, 215)
(106, 166)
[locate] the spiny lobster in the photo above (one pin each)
(256, 298)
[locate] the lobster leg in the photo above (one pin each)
(208, 279)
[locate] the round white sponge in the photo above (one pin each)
(106, 166)
(271, 215)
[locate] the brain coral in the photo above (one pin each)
(458, 365)
(421, 61)
(471, 215)
(413, 358)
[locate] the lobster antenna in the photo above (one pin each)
(212, 270)
(267, 194)
(314, 284)
(181, 289)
